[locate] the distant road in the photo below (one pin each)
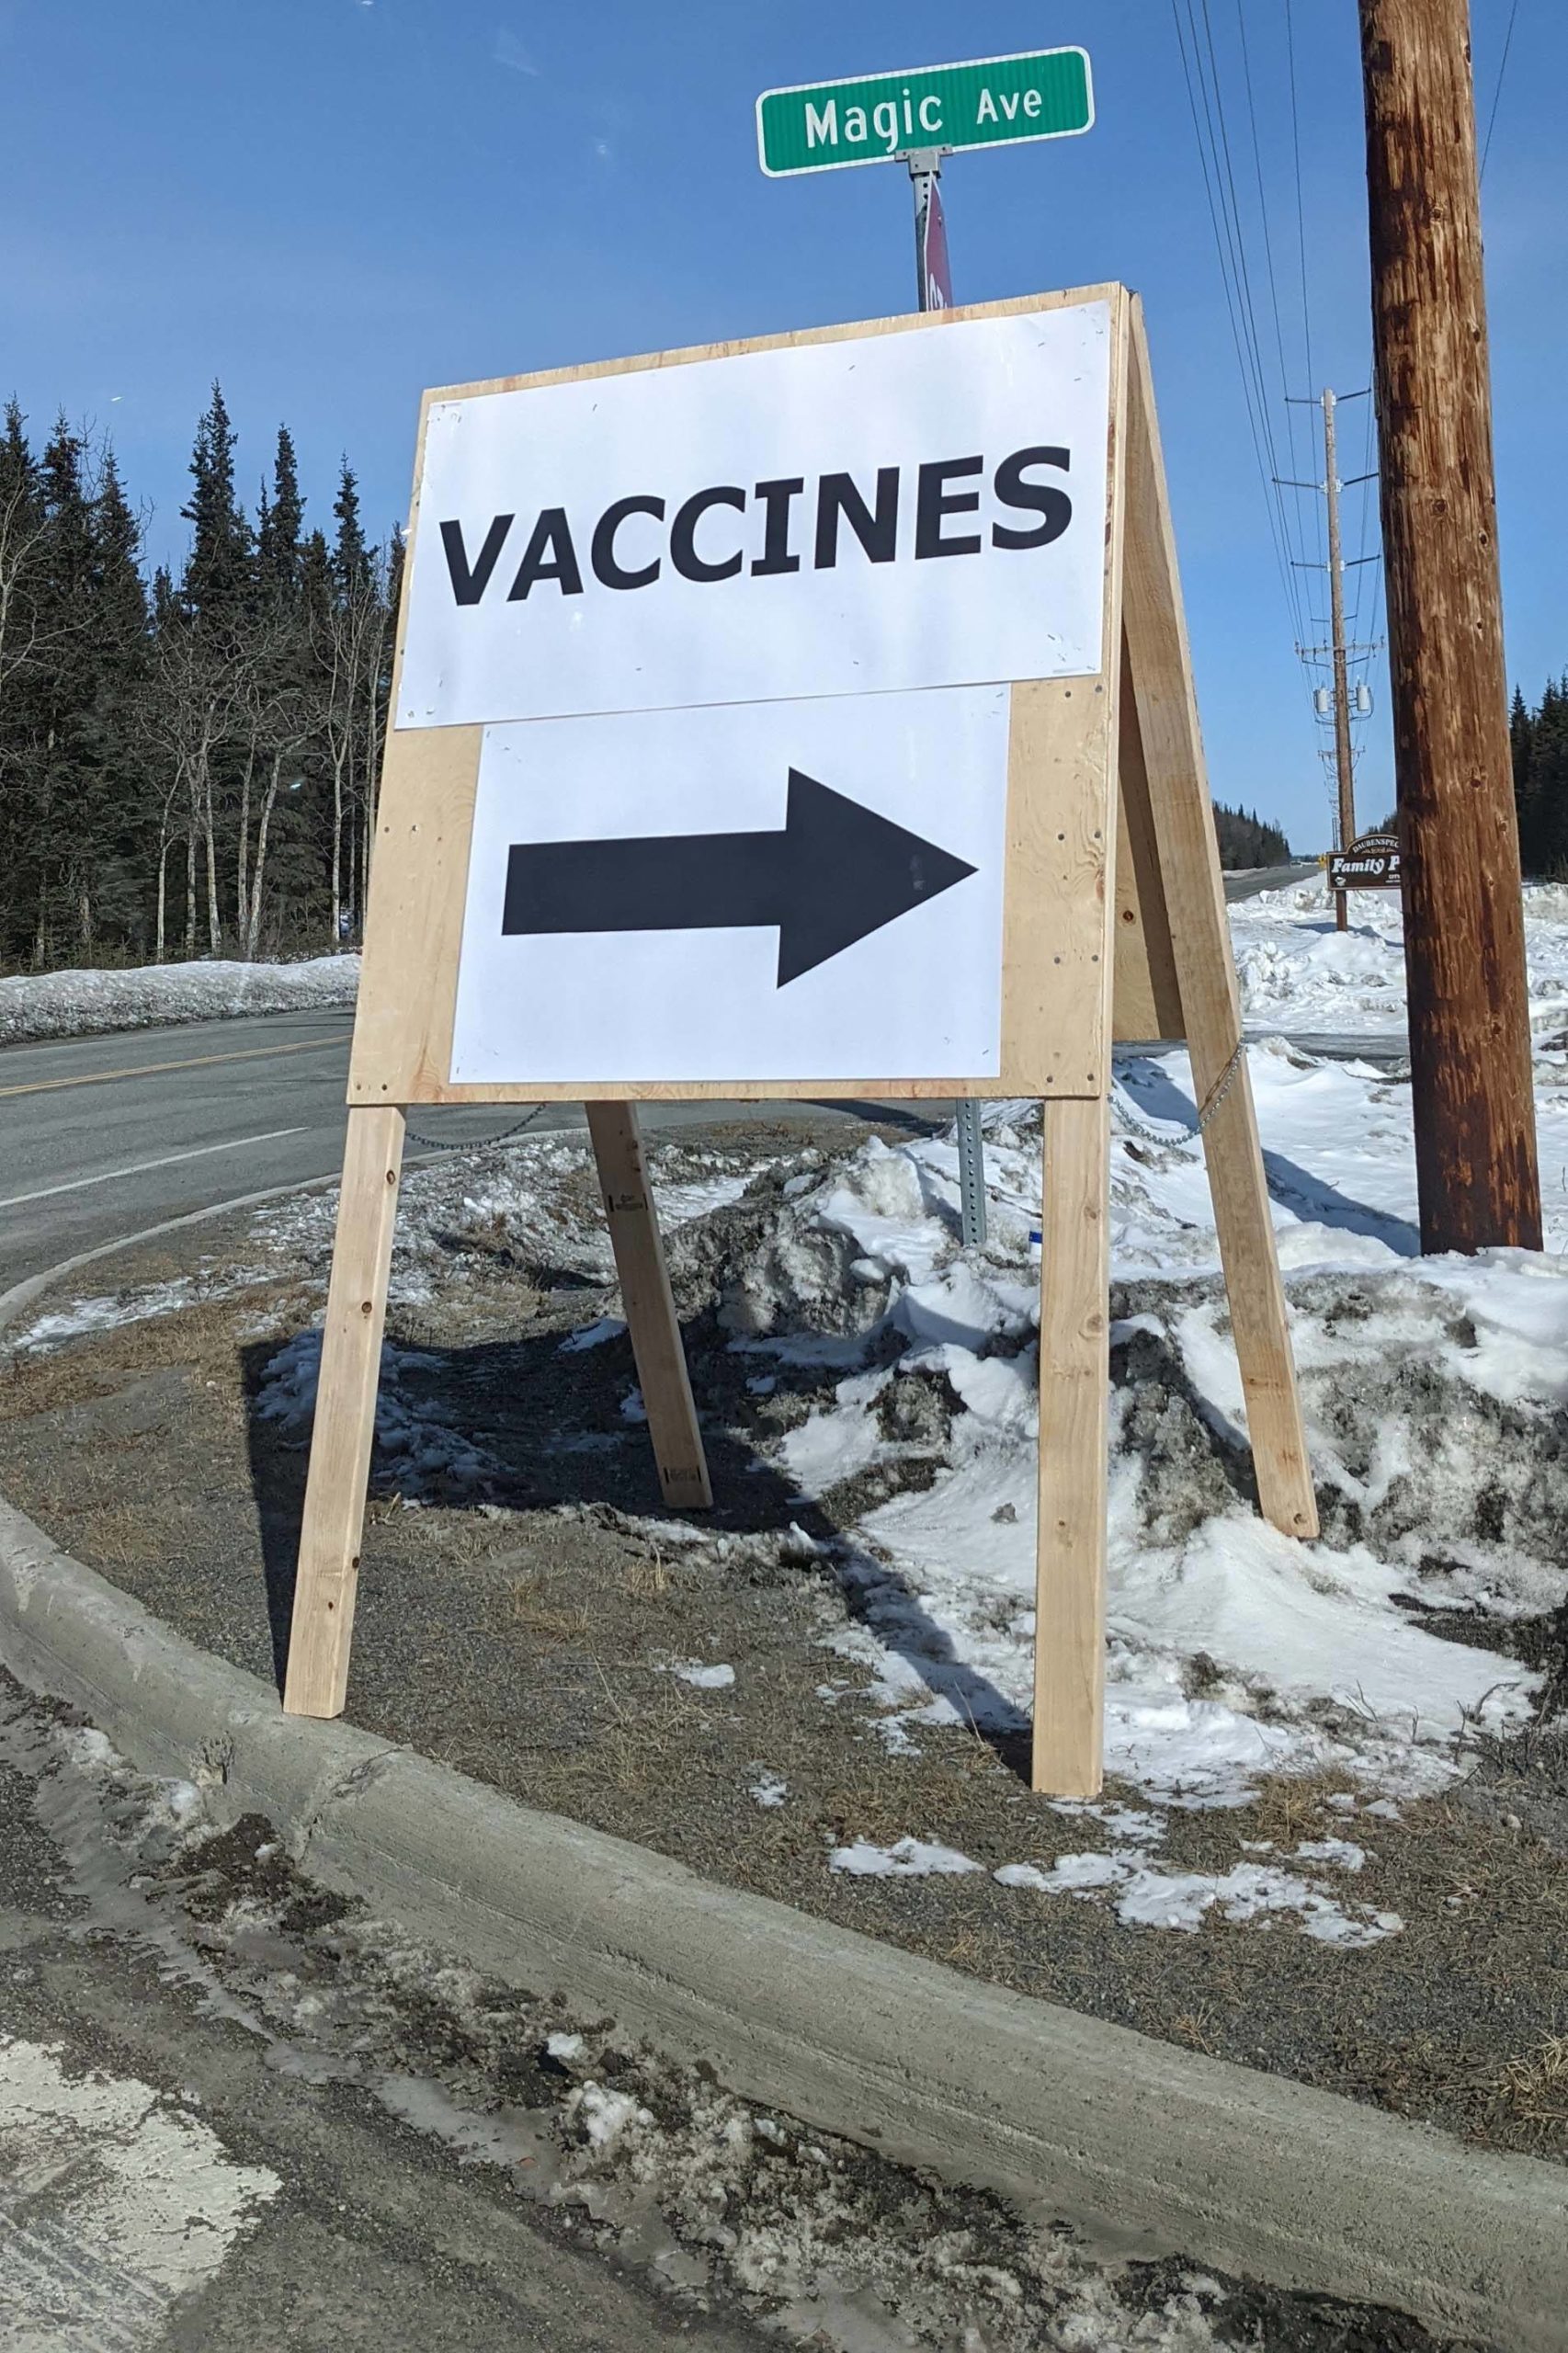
(1251, 880)
(101, 1138)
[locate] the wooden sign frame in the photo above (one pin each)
(1114, 926)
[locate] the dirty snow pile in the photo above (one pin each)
(1298, 974)
(1433, 1391)
(72, 1005)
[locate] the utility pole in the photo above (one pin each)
(1469, 1043)
(1340, 674)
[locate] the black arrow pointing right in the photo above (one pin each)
(835, 873)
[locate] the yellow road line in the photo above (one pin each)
(194, 1062)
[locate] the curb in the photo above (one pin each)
(1154, 2148)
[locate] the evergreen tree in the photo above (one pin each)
(350, 557)
(219, 571)
(1246, 840)
(281, 523)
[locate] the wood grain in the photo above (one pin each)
(1189, 863)
(1476, 1168)
(1074, 1388)
(344, 1429)
(650, 1307)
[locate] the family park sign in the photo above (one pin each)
(808, 717)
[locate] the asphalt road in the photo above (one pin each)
(103, 1138)
(172, 2181)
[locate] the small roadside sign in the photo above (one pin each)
(878, 118)
(1369, 863)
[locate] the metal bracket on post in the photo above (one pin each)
(934, 288)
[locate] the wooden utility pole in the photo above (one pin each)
(1343, 766)
(1469, 1043)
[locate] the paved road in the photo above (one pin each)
(172, 2180)
(105, 1137)
(1251, 880)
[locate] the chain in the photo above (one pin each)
(476, 1144)
(1209, 1105)
(1222, 1085)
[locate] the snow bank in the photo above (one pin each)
(1433, 1391)
(1298, 974)
(72, 1005)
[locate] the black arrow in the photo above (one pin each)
(836, 872)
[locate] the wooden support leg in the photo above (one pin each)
(1074, 1387)
(346, 1416)
(650, 1307)
(1162, 703)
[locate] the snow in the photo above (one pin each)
(592, 1335)
(1146, 1896)
(72, 1005)
(907, 1859)
(1298, 972)
(768, 1790)
(703, 1679)
(1432, 1390)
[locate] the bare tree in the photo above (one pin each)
(193, 707)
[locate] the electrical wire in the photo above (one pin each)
(1225, 223)
(1497, 93)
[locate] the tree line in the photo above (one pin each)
(1539, 741)
(187, 764)
(1248, 840)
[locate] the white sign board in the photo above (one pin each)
(778, 891)
(894, 511)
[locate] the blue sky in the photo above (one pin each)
(331, 203)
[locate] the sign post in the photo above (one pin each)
(920, 116)
(934, 290)
(749, 743)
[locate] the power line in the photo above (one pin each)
(1224, 220)
(1497, 93)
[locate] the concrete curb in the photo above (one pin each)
(1152, 2146)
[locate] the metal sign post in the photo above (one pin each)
(934, 286)
(917, 118)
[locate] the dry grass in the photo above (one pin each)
(551, 1625)
(1288, 1809)
(1534, 2088)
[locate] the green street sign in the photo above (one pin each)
(824, 126)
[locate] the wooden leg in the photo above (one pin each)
(1172, 750)
(650, 1307)
(345, 1427)
(1074, 1389)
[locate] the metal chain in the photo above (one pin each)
(1206, 1109)
(1222, 1085)
(476, 1144)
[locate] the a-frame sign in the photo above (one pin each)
(806, 717)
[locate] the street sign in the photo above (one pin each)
(864, 515)
(874, 118)
(787, 890)
(1369, 863)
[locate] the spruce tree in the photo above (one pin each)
(219, 571)
(350, 557)
(281, 523)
